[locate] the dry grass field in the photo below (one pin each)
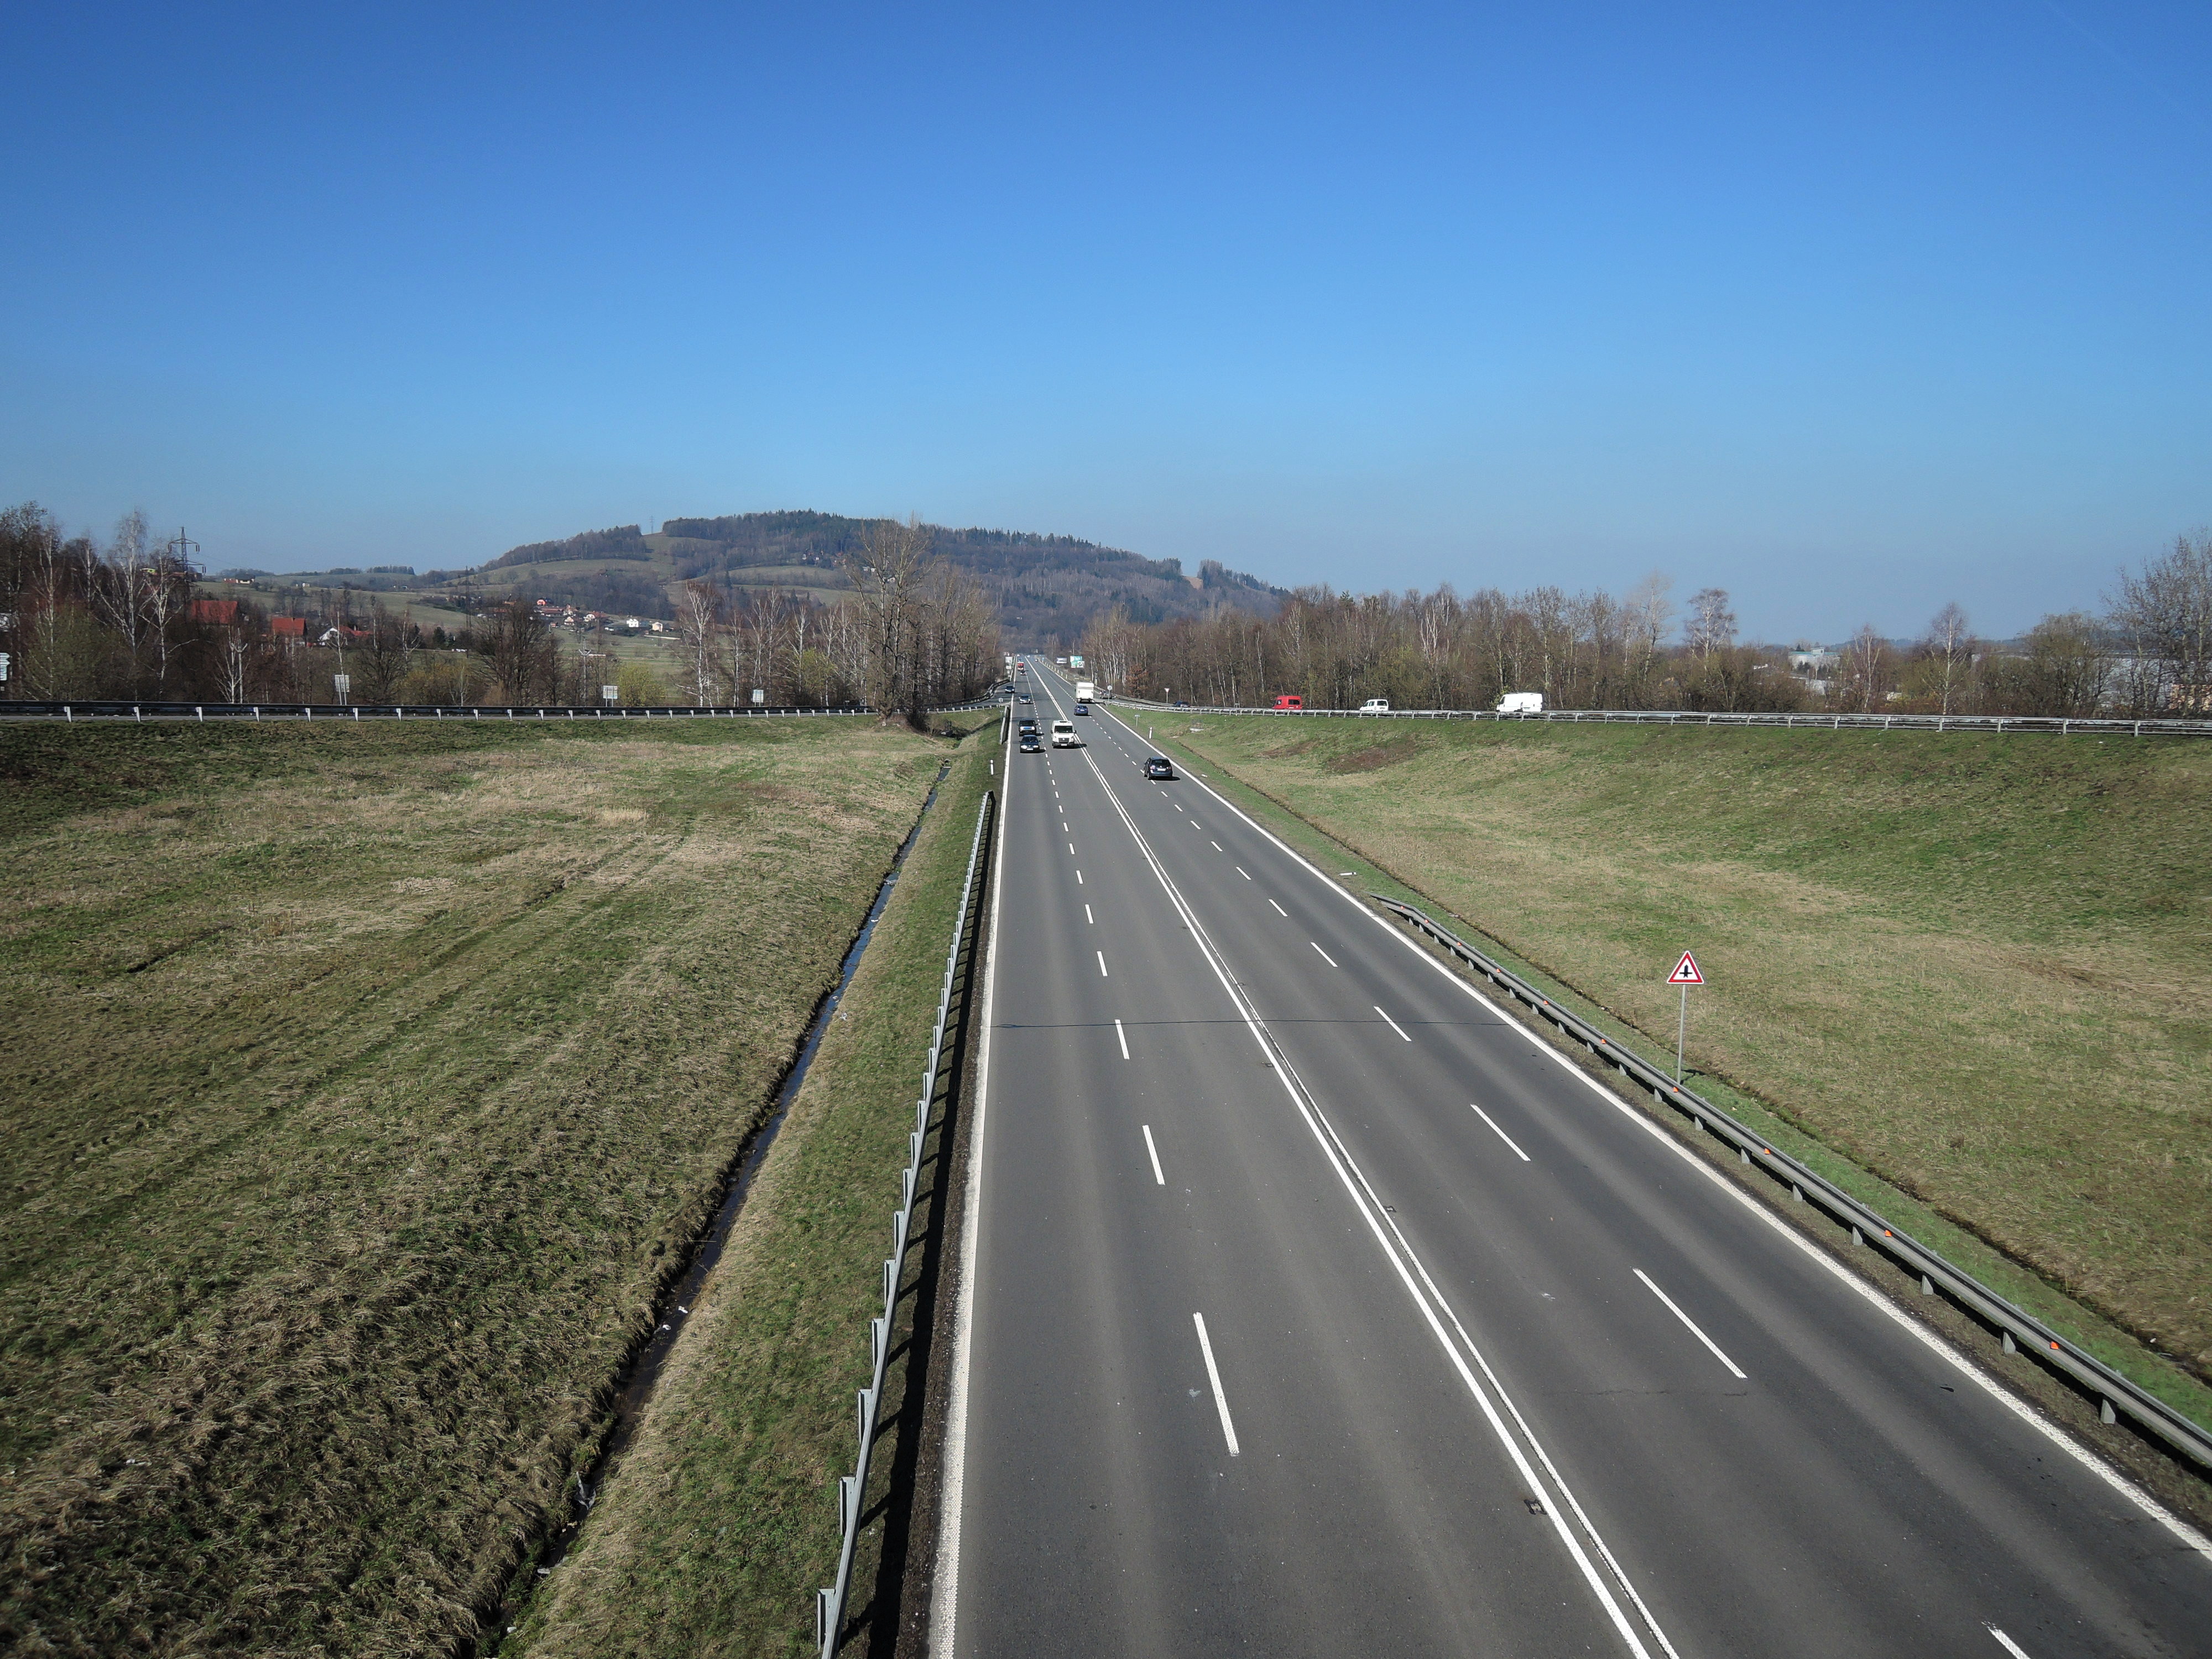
(361, 1087)
(1980, 967)
(718, 1526)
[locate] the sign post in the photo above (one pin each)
(1685, 975)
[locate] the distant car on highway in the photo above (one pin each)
(1290, 703)
(1375, 706)
(1160, 767)
(1083, 708)
(1027, 698)
(1031, 746)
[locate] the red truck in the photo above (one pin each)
(1287, 701)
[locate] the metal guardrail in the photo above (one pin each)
(112, 709)
(2055, 725)
(829, 1604)
(2118, 1396)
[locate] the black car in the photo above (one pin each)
(1159, 767)
(1031, 746)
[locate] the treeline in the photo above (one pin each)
(128, 619)
(916, 634)
(2147, 654)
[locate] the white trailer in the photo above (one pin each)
(1086, 691)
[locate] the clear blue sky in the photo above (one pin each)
(1851, 309)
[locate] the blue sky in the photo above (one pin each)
(1850, 309)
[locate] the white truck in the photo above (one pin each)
(1522, 702)
(1063, 735)
(1086, 691)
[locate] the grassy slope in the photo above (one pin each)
(1977, 966)
(713, 1535)
(364, 1082)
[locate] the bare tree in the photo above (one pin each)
(1868, 669)
(887, 571)
(2164, 612)
(1948, 648)
(116, 597)
(523, 652)
(385, 653)
(699, 629)
(166, 592)
(1711, 625)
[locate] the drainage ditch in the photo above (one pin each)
(633, 1390)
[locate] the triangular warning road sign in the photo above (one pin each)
(1686, 972)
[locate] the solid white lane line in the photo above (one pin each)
(944, 1599)
(1242, 871)
(1155, 1152)
(1693, 1325)
(1386, 1020)
(1811, 1252)
(1088, 917)
(1502, 1135)
(1279, 908)
(1213, 1375)
(1331, 961)
(1122, 1038)
(2009, 1645)
(1103, 974)
(1432, 1306)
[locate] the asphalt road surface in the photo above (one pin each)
(1314, 1306)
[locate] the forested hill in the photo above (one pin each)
(1043, 586)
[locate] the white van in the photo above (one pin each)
(1063, 735)
(1375, 706)
(1522, 702)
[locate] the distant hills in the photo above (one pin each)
(1045, 587)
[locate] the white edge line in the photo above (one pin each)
(1692, 1325)
(2056, 1433)
(1502, 1135)
(1213, 1375)
(2009, 1645)
(1386, 1020)
(944, 1595)
(1155, 1152)
(1345, 1175)
(1122, 1038)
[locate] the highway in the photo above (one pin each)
(1310, 1305)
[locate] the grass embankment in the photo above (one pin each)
(1976, 967)
(718, 1525)
(362, 1086)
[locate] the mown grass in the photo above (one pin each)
(719, 1524)
(1974, 966)
(362, 1087)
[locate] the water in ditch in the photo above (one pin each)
(637, 1384)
